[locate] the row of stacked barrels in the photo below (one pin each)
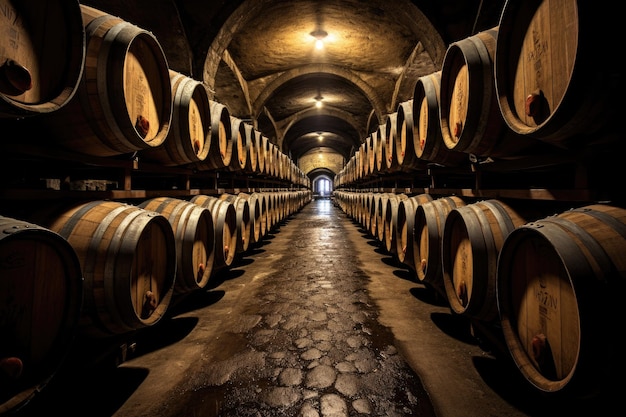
(551, 281)
(539, 83)
(101, 269)
(114, 94)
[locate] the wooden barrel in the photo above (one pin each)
(372, 148)
(381, 147)
(255, 216)
(560, 288)
(357, 167)
(429, 221)
(555, 76)
(41, 293)
(362, 169)
(275, 160)
(251, 145)
(263, 209)
(124, 101)
(194, 237)
(224, 227)
(282, 206)
(128, 258)
(469, 115)
(239, 139)
(405, 136)
(270, 156)
(405, 240)
(359, 207)
(262, 151)
(272, 160)
(286, 167)
(472, 237)
(391, 160)
(42, 50)
(429, 145)
(187, 140)
(272, 209)
(381, 211)
(279, 161)
(366, 214)
(242, 212)
(221, 145)
(351, 169)
(373, 215)
(363, 166)
(390, 222)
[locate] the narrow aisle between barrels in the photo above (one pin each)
(306, 340)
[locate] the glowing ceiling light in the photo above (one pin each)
(318, 99)
(319, 36)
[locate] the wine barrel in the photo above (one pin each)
(275, 163)
(239, 139)
(255, 216)
(390, 222)
(262, 150)
(405, 240)
(357, 167)
(381, 146)
(391, 160)
(128, 258)
(555, 75)
(381, 214)
(363, 167)
(263, 209)
(242, 212)
(124, 101)
(41, 294)
(361, 209)
(357, 201)
(472, 237)
(429, 221)
(282, 206)
(560, 284)
(405, 136)
(469, 115)
(42, 56)
(372, 149)
(224, 227)
(429, 145)
(279, 161)
(194, 237)
(270, 156)
(187, 139)
(272, 210)
(374, 214)
(221, 145)
(366, 215)
(251, 147)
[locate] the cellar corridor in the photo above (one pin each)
(316, 320)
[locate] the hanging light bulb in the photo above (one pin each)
(318, 99)
(319, 36)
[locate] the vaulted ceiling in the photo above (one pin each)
(258, 57)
